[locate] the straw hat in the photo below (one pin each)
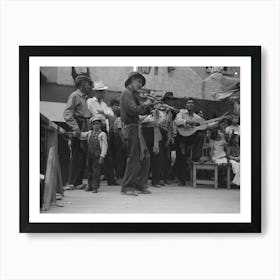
(99, 85)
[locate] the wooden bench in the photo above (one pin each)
(208, 166)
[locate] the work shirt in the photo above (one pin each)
(94, 106)
(76, 107)
(102, 140)
(131, 108)
(183, 116)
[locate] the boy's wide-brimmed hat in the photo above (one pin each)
(82, 77)
(135, 74)
(99, 85)
(97, 117)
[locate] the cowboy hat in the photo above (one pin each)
(135, 74)
(99, 85)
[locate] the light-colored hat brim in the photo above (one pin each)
(100, 88)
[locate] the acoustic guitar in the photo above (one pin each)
(188, 131)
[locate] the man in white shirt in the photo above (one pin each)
(97, 106)
(188, 119)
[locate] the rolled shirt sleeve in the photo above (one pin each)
(103, 144)
(85, 135)
(91, 107)
(108, 110)
(180, 120)
(94, 106)
(69, 112)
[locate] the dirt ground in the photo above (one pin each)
(167, 199)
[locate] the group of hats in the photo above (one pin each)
(99, 85)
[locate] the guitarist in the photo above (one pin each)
(188, 119)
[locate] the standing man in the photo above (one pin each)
(138, 158)
(97, 106)
(117, 145)
(76, 115)
(188, 119)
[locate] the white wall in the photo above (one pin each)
(50, 73)
(182, 81)
(113, 77)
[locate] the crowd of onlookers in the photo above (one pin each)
(98, 137)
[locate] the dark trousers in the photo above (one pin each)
(167, 173)
(77, 163)
(183, 152)
(166, 169)
(119, 156)
(156, 160)
(94, 171)
(137, 171)
(108, 161)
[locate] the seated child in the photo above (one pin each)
(97, 146)
(233, 152)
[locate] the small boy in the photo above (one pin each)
(97, 150)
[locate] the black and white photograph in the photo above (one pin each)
(168, 136)
(124, 143)
(139, 140)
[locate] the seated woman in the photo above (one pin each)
(234, 127)
(218, 147)
(233, 153)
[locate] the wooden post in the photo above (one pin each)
(49, 178)
(53, 178)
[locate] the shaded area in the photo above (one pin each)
(58, 93)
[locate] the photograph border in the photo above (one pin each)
(25, 52)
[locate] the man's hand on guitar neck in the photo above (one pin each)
(191, 123)
(212, 125)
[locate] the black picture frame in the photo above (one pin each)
(25, 52)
